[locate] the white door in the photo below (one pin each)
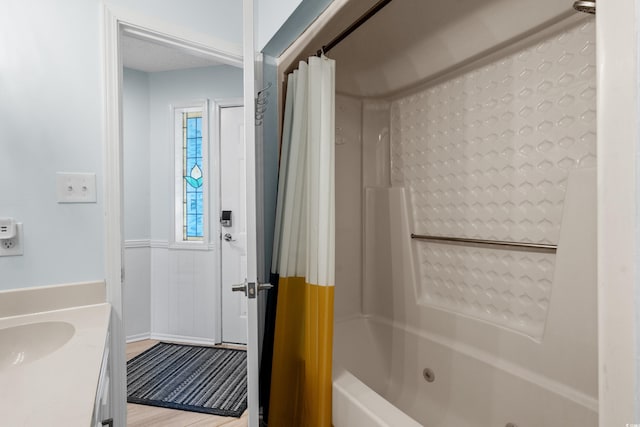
(233, 230)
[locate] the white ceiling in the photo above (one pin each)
(143, 55)
(410, 42)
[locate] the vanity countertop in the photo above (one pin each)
(50, 364)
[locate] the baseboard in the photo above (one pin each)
(138, 337)
(183, 339)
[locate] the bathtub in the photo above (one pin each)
(355, 404)
(379, 380)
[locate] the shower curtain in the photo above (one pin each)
(304, 250)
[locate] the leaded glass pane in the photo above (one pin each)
(192, 173)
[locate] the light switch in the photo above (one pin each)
(76, 187)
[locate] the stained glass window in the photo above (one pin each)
(192, 196)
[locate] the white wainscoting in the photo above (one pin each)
(137, 289)
(170, 294)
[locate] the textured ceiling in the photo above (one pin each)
(151, 57)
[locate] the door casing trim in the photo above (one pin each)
(116, 21)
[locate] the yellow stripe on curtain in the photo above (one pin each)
(301, 395)
(304, 252)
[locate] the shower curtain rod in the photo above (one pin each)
(343, 35)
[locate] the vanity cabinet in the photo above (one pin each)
(101, 408)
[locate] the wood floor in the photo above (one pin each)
(144, 415)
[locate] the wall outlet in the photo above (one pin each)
(13, 246)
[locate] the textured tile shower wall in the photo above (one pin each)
(487, 154)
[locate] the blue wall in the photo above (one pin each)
(51, 105)
(271, 154)
(299, 20)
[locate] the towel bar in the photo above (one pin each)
(538, 247)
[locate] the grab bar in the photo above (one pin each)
(538, 247)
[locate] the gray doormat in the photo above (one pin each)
(192, 378)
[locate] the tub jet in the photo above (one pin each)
(585, 6)
(428, 375)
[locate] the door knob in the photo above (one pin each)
(242, 287)
(228, 237)
(264, 286)
(249, 289)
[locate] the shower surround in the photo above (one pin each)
(500, 149)
(488, 155)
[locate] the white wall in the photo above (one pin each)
(136, 128)
(218, 18)
(362, 165)
(348, 170)
(169, 293)
(137, 253)
(51, 120)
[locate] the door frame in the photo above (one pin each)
(618, 128)
(218, 105)
(116, 21)
(250, 92)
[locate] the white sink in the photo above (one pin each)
(22, 344)
(51, 338)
